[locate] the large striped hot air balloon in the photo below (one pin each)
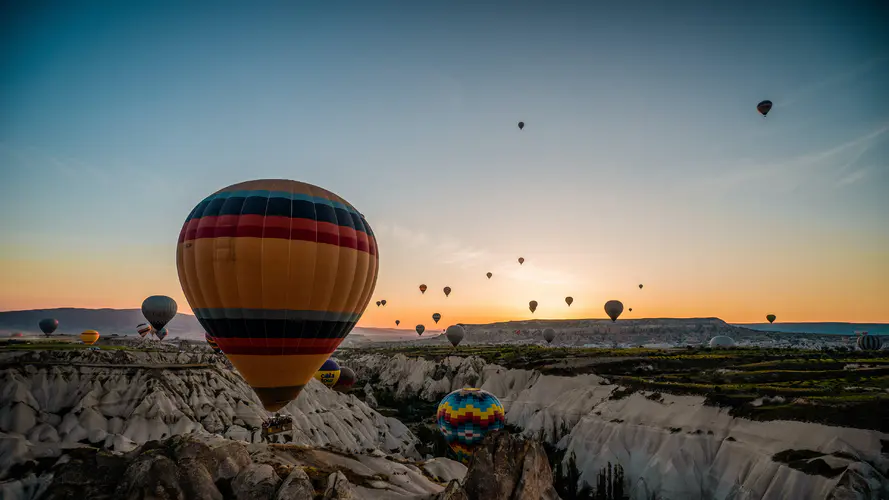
(465, 416)
(329, 373)
(277, 272)
(89, 337)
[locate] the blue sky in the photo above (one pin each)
(642, 157)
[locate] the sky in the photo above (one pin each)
(643, 159)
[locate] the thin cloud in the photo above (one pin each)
(747, 171)
(446, 250)
(813, 89)
(853, 177)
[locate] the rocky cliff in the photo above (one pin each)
(52, 402)
(669, 447)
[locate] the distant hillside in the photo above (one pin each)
(72, 321)
(106, 321)
(826, 328)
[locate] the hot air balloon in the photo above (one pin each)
(436, 317)
(569, 301)
(466, 416)
(867, 342)
(383, 302)
(159, 310)
(613, 308)
(640, 286)
(721, 341)
(521, 260)
(48, 325)
(277, 272)
(161, 334)
(532, 306)
(549, 334)
(329, 373)
(521, 125)
(420, 329)
(630, 309)
(347, 379)
(397, 322)
(764, 107)
(143, 329)
(489, 275)
(447, 291)
(89, 337)
(422, 288)
(212, 343)
(455, 334)
(379, 303)
(771, 318)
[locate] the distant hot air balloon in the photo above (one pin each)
(420, 329)
(613, 308)
(436, 317)
(721, 341)
(532, 306)
(521, 125)
(489, 275)
(764, 107)
(422, 288)
(455, 334)
(521, 260)
(447, 291)
(569, 301)
(212, 343)
(278, 272)
(630, 309)
(867, 342)
(383, 302)
(329, 373)
(379, 303)
(143, 329)
(48, 325)
(771, 318)
(466, 416)
(89, 337)
(159, 310)
(397, 322)
(640, 286)
(347, 379)
(549, 334)
(161, 334)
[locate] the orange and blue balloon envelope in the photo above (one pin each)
(466, 416)
(329, 373)
(89, 337)
(277, 272)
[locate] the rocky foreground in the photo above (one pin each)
(668, 446)
(212, 468)
(129, 424)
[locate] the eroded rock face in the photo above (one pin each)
(506, 467)
(213, 468)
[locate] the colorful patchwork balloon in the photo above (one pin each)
(466, 416)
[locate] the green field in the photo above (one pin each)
(835, 387)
